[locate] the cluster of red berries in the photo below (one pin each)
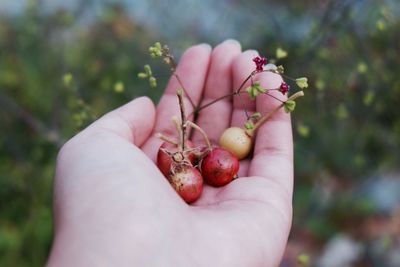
(188, 169)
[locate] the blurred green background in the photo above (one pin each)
(62, 64)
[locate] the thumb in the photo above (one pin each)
(133, 121)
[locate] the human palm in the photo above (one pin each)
(113, 207)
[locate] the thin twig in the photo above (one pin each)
(177, 124)
(172, 64)
(266, 117)
(179, 93)
(203, 133)
(238, 90)
(274, 97)
(184, 89)
(166, 138)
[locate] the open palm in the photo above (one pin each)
(113, 207)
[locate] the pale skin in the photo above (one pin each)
(113, 207)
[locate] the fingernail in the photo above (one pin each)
(232, 41)
(252, 52)
(205, 46)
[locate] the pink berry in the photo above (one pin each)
(187, 181)
(219, 167)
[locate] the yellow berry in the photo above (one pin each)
(236, 141)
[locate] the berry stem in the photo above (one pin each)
(275, 97)
(183, 88)
(169, 59)
(236, 92)
(203, 133)
(179, 93)
(177, 124)
(166, 138)
(266, 117)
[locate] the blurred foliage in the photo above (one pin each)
(59, 71)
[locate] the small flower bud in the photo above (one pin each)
(153, 82)
(142, 75)
(255, 89)
(284, 88)
(280, 53)
(147, 70)
(302, 82)
(281, 69)
(119, 87)
(67, 79)
(303, 260)
(256, 115)
(289, 106)
(249, 125)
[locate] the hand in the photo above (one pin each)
(113, 207)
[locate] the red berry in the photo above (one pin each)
(187, 182)
(164, 160)
(219, 167)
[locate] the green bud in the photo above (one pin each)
(362, 68)
(147, 70)
(119, 87)
(342, 112)
(153, 82)
(252, 92)
(142, 75)
(249, 125)
(155, 50)
(380, 25)
(281, 69)
(256, 115)
(368, 97)
(67, 79)
(320, 84)
(255, 89)
(280, 53)
(303, 260)
(302, 82)
(259, 88)
(289, 106)
(303, 130)
(157, 45)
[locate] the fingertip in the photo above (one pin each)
(232, 42)
(243, 63)
(199, 50)
(148, 104)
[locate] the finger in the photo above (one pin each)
(192, 70)
(133, 121)
(273, 152)
(243, 65)
(216, 118)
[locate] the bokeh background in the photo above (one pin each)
(64, 63)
